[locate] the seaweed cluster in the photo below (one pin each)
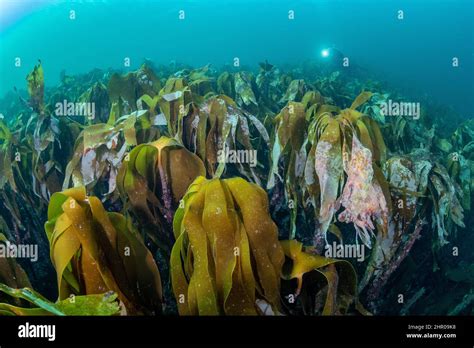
(219, 192)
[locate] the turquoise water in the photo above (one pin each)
(407, 48)
(414, 53)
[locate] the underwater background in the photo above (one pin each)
(414, 53)
(126, 207)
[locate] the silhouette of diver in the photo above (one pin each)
(334, 60)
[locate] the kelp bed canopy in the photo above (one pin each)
(135, 213)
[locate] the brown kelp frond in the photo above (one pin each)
(336, 285)
(463, 137)
(213, 126)
(461, 169)
(98, 305)
(445, 196)
(362, 197)
(244, 94)
(341, 144)
(226, 84)
(289, 141)
(227, 253)
(33, 157)
(269, 88)
(35, 81)
(98, 96)
(408, 186)
(403, 135)
(423, 193)
(41, 143)
(226, 138)
(200, 82)
(316, 149)
(374, 108)
(421, 182)
(153, 179)
(314, 98)
(99, 151)
(290, 135)
(175, 102)
(460, 161)
(6, 154)
(46, 142)
(94, 252)
(20, 209)
(11, 273)
(328, 164)
(295, 92)
(132, 86)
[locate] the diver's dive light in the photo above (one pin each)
(325, 53)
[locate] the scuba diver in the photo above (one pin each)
(334, 60)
